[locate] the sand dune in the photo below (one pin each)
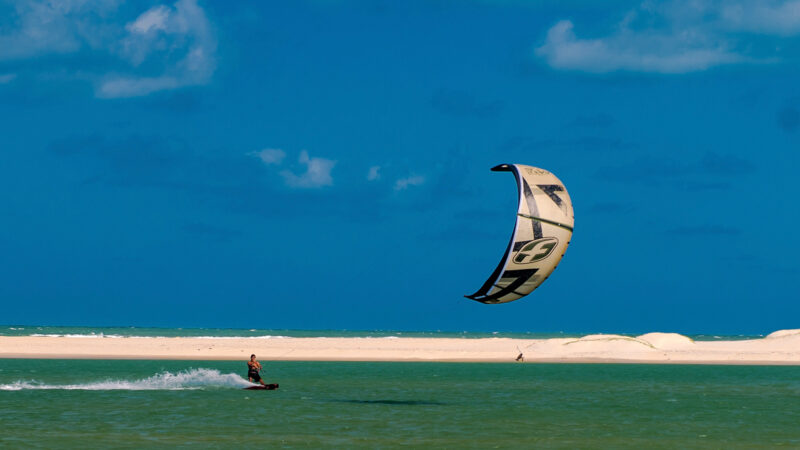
(780, 347)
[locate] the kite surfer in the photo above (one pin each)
(253, 369)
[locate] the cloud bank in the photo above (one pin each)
(165, 47)
(769, 17)
(51, 27)
(673, 37)
(632, 51)
(181, 35)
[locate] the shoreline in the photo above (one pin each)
(779, 348)
(489, 361)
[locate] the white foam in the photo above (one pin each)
(92, 335)
(189, 379)
(101, 335)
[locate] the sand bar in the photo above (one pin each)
(780, 347)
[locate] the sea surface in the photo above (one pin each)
(227, 333)
(167, 404)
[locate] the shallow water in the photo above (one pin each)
(227, 333)
(99, 403)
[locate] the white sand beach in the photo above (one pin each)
(780, 347)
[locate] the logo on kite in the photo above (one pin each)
(535, 250)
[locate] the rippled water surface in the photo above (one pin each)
(227, 333)
(100, 403)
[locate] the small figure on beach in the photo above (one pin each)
(520, 358)
(253, 370)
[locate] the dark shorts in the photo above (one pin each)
(254, 375)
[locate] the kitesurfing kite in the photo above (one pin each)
(541, 236)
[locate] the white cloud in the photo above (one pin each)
(46, 27)
(674, 37)
(374, 173)
(175, 41)
(154, 19)
(404, 183)
(770, 17)
(7, 78)
(181, 35)
(270, 156)
(317, 174)
(134, 87)
(644, 51)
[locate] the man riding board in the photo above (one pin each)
(253, 369)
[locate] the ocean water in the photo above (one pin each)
(134, 404)
(225, 333)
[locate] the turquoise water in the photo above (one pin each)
(122, 332)
(100, 403)
(112, 332)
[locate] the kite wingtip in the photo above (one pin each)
(502, 168)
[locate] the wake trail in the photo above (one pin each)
(164, 381)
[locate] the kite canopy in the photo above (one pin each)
(541, 236)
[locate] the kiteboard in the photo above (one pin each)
(263, 387)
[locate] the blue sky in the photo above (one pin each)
(325, 164)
